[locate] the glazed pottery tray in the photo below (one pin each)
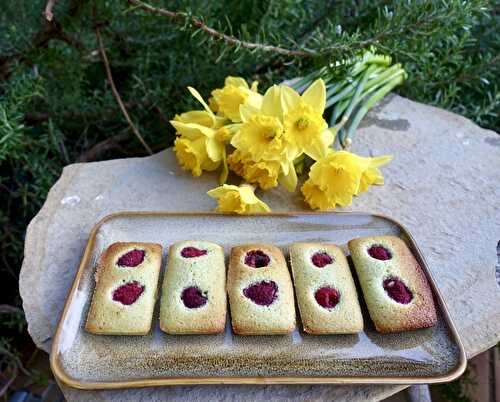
(83, 360)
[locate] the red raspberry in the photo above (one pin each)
(129, 293)
(262, 293)
(327, 297)
(193, 298)
(257, 259)
(397, 290)
(379, 253)
(132, 259)
(321, 259)
(191, 252)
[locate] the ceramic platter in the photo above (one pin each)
(87, 361)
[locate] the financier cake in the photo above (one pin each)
(260, 291)
(194, 289)
(325, 290)
(125, 291)
(394, 286)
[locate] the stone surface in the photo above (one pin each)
(442, 185)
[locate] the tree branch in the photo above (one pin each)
(116, 94)
(98, 149)
(181, 18)
(48, 10)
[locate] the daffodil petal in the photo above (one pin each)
(201, 117)
(214, 149)
(192, 131)
(254, 86)
(225, 170)
(219, 191)
(236, 81)
(315, 96)
(380, 160)
(261, 206)
(247, 194)
(289, 98)
(199, 98)
(247, 111)
(289, 181)
(254, 99)
(321, 147)
(271, 103)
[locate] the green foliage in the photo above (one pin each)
(56, 106)
(455, 391)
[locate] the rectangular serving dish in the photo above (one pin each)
(86, 361)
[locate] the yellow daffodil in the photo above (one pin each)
(237, 199)
(192, 131)
(227, 100)
(303, 120)
(337, 177)
(372, 175)
(304, 128)
(192, 155)
(263, 173)
(208, 131)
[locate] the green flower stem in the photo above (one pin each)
(356, 98)
(383, 76)
(342, 102)
(369, 59)
(370, 102)
(369, 89)
(349, 90)
(341, 106)
(332, 89)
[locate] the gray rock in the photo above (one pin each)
(443, 185)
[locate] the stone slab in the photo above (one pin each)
(443, 185)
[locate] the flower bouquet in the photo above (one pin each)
(271, 139)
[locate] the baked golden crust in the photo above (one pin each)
(206, 272)
(249, 318)
(387, 314)
(345, 317)
(110, 317)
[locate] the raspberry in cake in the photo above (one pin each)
(132, 258)
(379, 253)
(321, 259)
(397, 290)
(193, 297)
(128, 293)
(192, 252)
(257, 259)
(263, 293)
(327, 297)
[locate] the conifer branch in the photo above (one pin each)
(182, 18)
(116, 94)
